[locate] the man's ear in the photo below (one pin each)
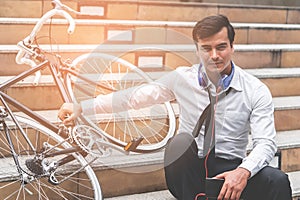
(197, 50)
(197, 53)
(199, 58)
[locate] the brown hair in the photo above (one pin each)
(211, 25)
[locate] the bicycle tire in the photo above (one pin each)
(82, 185)
(156, 124)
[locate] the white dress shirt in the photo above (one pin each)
(247, 108)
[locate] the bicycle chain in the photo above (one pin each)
(90, 141)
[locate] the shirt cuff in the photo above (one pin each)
(251, 166)
(88, 107)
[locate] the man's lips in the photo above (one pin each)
(215, 63)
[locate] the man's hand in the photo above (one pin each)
(69, 112)
(235, 182)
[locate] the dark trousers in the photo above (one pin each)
(185, 173)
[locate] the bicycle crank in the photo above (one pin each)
(90, 141)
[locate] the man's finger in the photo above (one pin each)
(222, 192)
(68, 119)
(63, 114)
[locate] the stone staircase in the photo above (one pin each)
(267, 35)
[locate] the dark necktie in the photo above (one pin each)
(207, 116)
(209, 134)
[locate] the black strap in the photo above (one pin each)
(209, 134)
(200, 121)
(202, 118)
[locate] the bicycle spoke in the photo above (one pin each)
(33, 182)
(122, 127)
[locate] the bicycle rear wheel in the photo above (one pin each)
(30, 182)
(155, 124)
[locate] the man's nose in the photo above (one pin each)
(214, 54)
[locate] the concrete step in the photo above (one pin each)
(166, 195)
(158, 10)
(138, 31)
(152, 176)
(286, 113)
(138, 173)
(121, 174)
(287, 110)
(172, 55)
(282, 82)
(157, 195)
(44, 96)
(252, 2)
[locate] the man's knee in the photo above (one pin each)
(276, 178)
(183, 169)
(273, 173)
(178, 146)
(269, 184)
(280, 180)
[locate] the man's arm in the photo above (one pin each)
(263, 135)
(262, 131)
(132, 98)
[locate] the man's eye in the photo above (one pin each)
(206, 49)
(221, 48)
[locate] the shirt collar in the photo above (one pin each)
(235, 80)
(224, 81)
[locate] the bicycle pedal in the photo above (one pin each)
(133, 144)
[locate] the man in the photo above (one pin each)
(240, 104)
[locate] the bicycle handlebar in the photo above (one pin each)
(57, 10)
(47, 16)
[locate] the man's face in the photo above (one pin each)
(215, 52)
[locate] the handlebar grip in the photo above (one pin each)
(47, 16)
(71, 28)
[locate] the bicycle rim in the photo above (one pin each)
(81, 185)
(155, 124)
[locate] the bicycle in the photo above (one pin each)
(45, 160)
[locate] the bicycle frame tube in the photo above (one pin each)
(62, 161)
(88, 80)
(23, 75)
(14, 119)
(67, 158)
(4, 98)
(62, 89)
(25, 109)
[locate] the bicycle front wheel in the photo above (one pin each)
(103, 74)
(73, 180)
